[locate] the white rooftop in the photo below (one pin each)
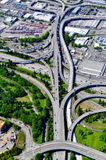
(4, 1)
(73, 30)
(27, 15)
(92, 67)
(96, 1)
(81, 40)
(2, 26)
(39, 5)
(43, 16)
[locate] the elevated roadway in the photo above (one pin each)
(70, 95)
(76, 90)
(63, 146)
(37, 83)
(75, 105)
(81, 118)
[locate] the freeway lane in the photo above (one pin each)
(58, 118)
(79, 119)
(59, 112)
(80, 100)
(36, 83)
(60, 146)
(75, 91)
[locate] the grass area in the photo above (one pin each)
(14, 103)
(42, 78)
(87, 105)
(97, 125)
(90, 91)
(62, 90)
(96, 140)
(35, 39)
(9, 81)
(15, 54)
(84, 107)
(43, 103)
(20, 141)
(101, 102)
(23, 99)
(16, 150)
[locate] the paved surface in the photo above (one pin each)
(80, 100)
(36, 83)
(26, 129)
(61, 110)
(68, 146)
(79, 119)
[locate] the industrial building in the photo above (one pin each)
(10, 20)
(42, 16)
(86, 23)
(4, 1)
(27, 15)
(100, 41)
(81, 41)
(39, 5)
(102, 25)
(74, 30)
(76, 10)
(92, 67)
(101, 2)
(2, 27)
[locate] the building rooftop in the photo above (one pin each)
(73, 30)
(92, 67)
(81, 41)
(43, 16)
(39, 5)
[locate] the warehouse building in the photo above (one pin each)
(81, 41)
(100, 41)
(101, 2)
(86, 23)
(92, 67)
(42, 16)
(74, 30)
(76, 10)
(27, 15)
(4, 1)
(2, 27)
(39, 5)
(102, 25)
(10, 20)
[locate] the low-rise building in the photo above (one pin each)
(39, 5)
(100, 41)
(92, 67)
(4, 1)
(101, 2)
(76, 10)
(81, 41)
(91, 23)
(27, 15)
(74, 30)
(43, 16)
(2, 27)
(10, 20)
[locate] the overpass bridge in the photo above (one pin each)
(63, 146)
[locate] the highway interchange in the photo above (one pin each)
(64, 127)
(60, 110)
